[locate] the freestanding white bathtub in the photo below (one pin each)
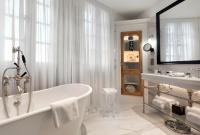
(39, 121)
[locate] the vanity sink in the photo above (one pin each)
(184, 82)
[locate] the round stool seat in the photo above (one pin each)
(110, 90)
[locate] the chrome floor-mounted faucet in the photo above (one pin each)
(18, 78)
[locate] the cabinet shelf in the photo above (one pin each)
(132, 72)
(131, 83)
(131, 64)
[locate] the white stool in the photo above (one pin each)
(109, 101)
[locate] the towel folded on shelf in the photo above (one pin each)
(159, 103)
(164, 102)
(196, 96)
(168, 101)
(178, 74)
(65, 111)
(193, 109)
(177, 91)
(193, 118)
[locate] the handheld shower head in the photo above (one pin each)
(23, 59)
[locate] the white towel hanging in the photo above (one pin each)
(65, 111)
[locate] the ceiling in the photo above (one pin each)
(129, 8)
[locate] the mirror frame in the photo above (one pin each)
(158, 36)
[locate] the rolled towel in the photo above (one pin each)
(168, 101)
(159, 103)
(194, 118)
(177, 91)
(196, 96)
(178, 74)
(194, 110)
(164, 87)
(65, 111)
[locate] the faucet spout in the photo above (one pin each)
(20, 90)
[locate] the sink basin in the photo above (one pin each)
(184, 82)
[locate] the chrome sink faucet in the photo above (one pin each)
(196, 71)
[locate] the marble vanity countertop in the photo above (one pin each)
(191, 83)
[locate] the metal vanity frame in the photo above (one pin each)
(191, 86)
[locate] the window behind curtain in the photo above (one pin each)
(42, 30)
(90, 30)
(12, 34)
(97, 35)
(19, 18)
(105, 38)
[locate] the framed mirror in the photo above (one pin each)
(178, 33)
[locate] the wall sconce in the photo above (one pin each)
(148, 47)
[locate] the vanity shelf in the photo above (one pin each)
(189, 84)
(181, 118)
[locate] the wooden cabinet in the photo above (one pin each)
(131, 63)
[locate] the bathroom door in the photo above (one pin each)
(131, 63)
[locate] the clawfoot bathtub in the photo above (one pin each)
(39, 121)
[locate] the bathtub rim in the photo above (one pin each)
(48, 108)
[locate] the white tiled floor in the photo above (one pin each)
(130, 121)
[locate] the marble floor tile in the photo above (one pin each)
(154, 131)
(129, 121)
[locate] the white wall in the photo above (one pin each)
(152, 11)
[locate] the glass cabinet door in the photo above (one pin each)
(131, 63)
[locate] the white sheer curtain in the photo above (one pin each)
(65, 41)
(97, 51)
(180, 39)
(85, 45)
